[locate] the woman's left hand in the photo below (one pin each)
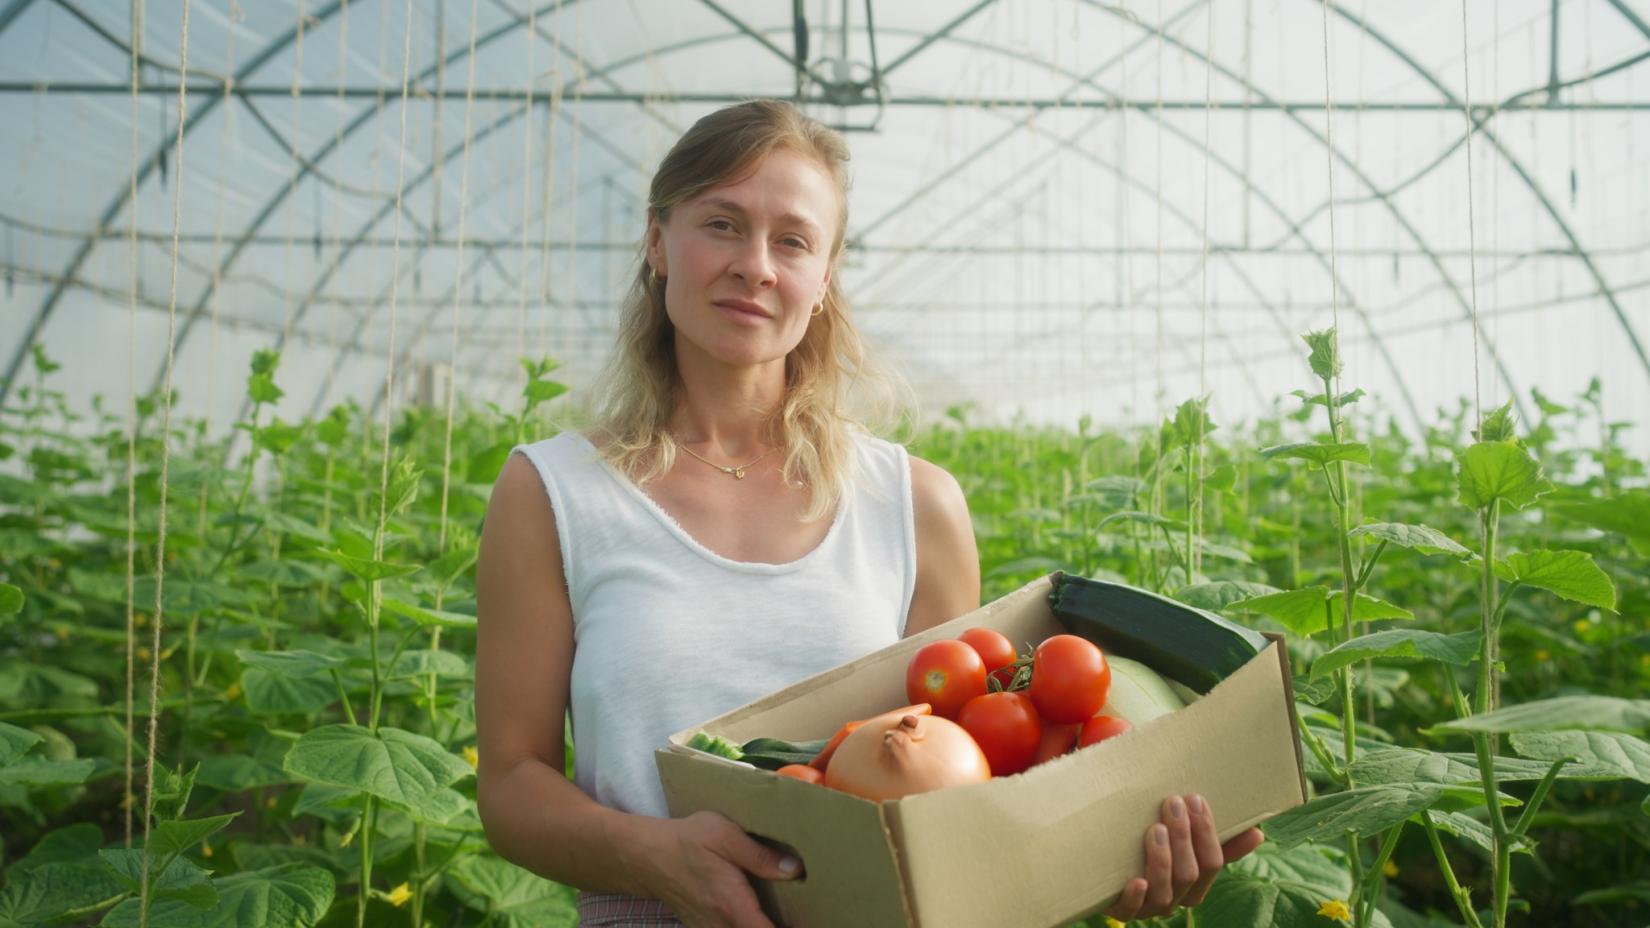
(1183, 857)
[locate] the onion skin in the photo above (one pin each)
(890, 757)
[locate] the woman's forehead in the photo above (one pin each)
(784, 186)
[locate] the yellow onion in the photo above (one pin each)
(892, 756)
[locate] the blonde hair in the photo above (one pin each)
(638, 392)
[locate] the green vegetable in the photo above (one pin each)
(711, 744)
(1194, 647)
(772, 753)
(766, 753)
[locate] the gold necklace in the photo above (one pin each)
(737, 473)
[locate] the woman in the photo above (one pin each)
(649, 589)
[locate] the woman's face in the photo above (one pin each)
(746, 262)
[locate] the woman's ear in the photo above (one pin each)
(655, 245)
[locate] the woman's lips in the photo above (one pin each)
(741, 312)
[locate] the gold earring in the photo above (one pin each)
(818, 309)
(653, 275)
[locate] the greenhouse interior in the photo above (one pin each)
(1306, 332)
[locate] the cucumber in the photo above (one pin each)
(772, 753)
(1194, 647)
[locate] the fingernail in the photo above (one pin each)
(1160, 835)
(789, 865)
(1177, 808)
(1196, 803)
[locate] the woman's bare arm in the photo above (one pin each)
(948, 562)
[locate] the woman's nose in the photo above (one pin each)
(754, 263)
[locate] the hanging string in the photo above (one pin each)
(549, 188)
(527, 172)
(297, 158)
(1194, 556)
(1329, 159)
(395, 286)
(165, 465)
(1472, 245)
(131, 433)
(458, 286)
(1158, 288)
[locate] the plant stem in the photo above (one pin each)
(1463, 898)
(1526, 817)
(366, 863)
(1367, 892)
(1485, 700)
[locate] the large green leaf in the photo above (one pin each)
(1279, 887)
(1627, 515)
(1219, 594)
(276, 693)
(181, 879)
(1364, 811)
(1472, 830)
(1499, 470)
(292, 663)
(1302, 611)
(1404, 644)
(1320, 452)
(1599, 754)
(11, 599)
(423, 616)
(512, 896)
(1420, 538)
(423, 662)
(392, 764)
(1392, 765)
(1569, 574)
(41, 771)
(50, 892)
(1593, 713)
(1146, 518)
(177, 835)
(290, 896)
(15, 742)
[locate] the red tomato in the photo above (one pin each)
(1057, 740)
(1100, 728)
(1007, 729)
(1070, 679)
(995, 649)
(945, 674)
(802, 772)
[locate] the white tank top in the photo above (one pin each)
(668, 633)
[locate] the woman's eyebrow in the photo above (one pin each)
(729, 206)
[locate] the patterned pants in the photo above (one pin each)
(617, 910)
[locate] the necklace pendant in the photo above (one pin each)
(739, 473)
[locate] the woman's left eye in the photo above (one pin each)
(794, 242)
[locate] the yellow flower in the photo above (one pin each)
(1391, 870)
(398, 896)
(140, 620)
(1336, 909)
(1582, 625)
(206, 850)
(471, 756)
(1542, 655)
(1113, 923)
(269, 802)
(233, 693)
(143, 653)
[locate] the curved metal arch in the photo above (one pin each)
(149, 165)
(1403, 222)
(1229, 259)
(1535, 188)
(312, 163)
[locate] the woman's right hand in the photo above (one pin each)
(698, 866)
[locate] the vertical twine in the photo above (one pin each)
(1472, 244)
(1158, 287)
(129, 797)
(526, 177)
(395, 286)
(1329, 160)
(165, 466)
(458, 284)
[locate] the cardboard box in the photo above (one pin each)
(1042, 848)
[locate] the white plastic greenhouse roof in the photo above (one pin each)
(1060, 206)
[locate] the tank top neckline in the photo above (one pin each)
(681, 534)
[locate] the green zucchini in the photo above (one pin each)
(1194, 647)
(772, 753)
